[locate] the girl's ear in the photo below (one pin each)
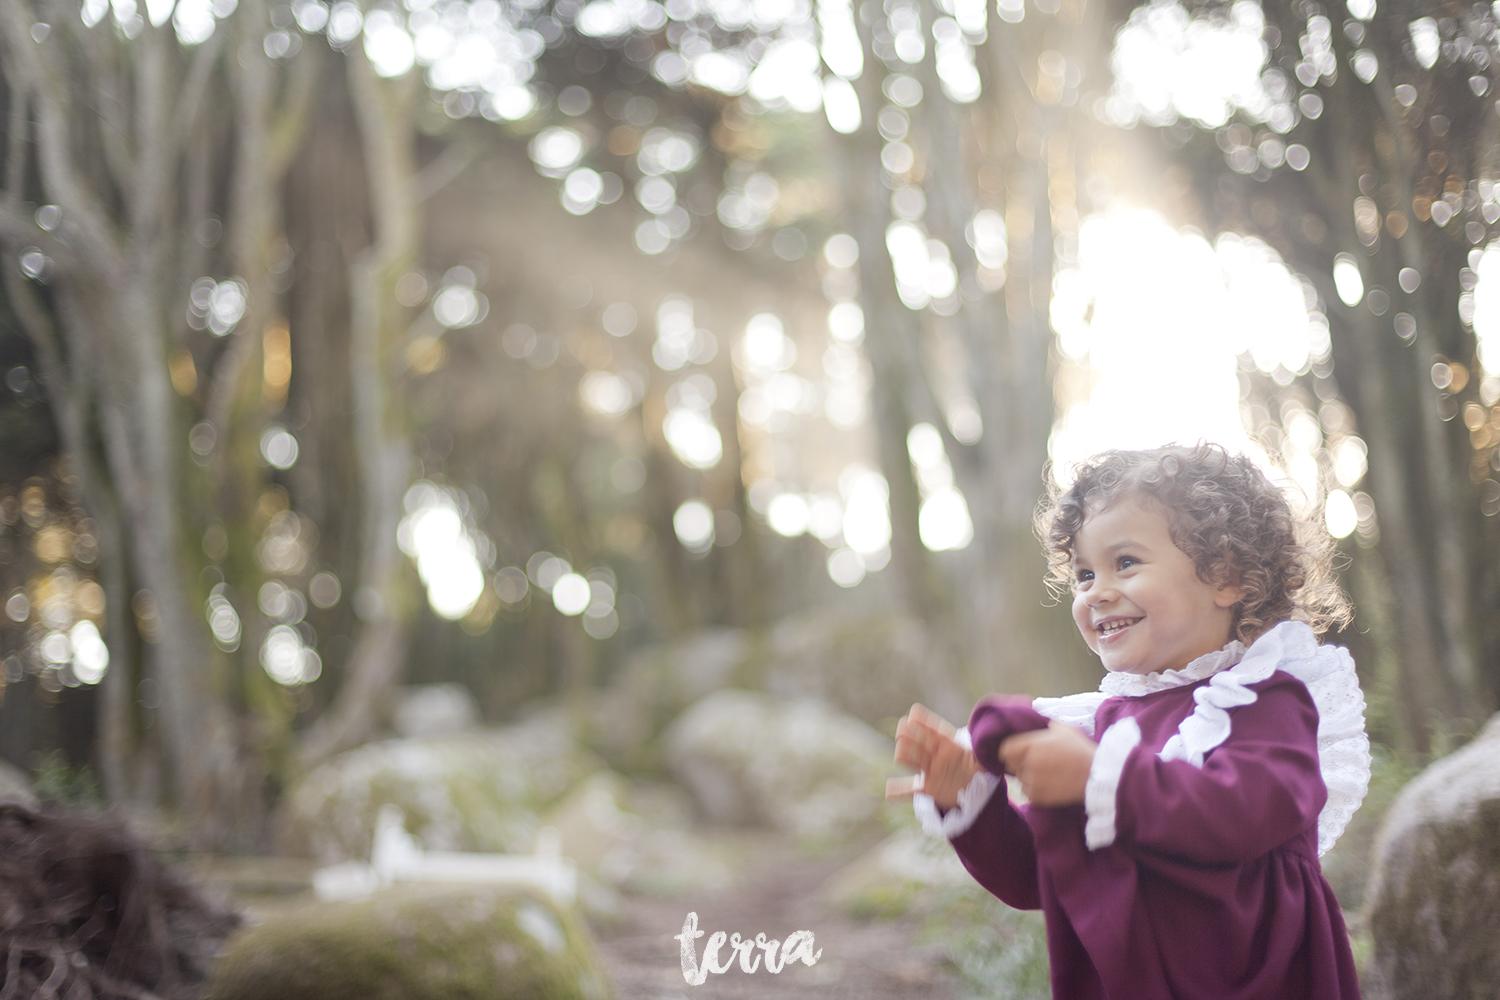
(1230, 592)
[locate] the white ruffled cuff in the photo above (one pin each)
(971, 802)
(1104, 781)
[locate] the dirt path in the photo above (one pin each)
(776, 892)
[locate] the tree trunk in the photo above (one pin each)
(379, 324)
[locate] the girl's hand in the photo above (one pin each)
(924, 742)
(1052, 764)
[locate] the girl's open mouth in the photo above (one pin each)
(1114, 627)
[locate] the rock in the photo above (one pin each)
(872, 668)
(414, 943)
(479, 791)
(635, 837)
(1433, 900)
(595, 820)
(434, 710)
(15, 786)
(654, 687)
(795, 764)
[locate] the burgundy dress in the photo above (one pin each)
(1207, 887)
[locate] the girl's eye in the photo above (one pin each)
(1128, 561)
(1084, 575)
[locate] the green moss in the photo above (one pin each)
(414, 943)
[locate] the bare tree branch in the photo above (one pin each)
(110, 106)
(18, 229)
(150, 211)
(190, 98)
(290, 121)
(17, 138)
(37, 65)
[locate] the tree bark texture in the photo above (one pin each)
(379, 326)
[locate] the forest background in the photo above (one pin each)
(358, 345)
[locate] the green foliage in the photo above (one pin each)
(1347, 864)
(884, 902)
(60, 783)
(1000, 952)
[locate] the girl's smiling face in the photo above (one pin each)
(1137, 597)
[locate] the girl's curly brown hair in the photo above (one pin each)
(1225, 514)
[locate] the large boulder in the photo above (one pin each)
(1433, 901)
(480, 791)
(795, 764)
(414, 943)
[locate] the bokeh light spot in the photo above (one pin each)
(694, 524)
(571, 594)
(1339, 514)
(278, 447)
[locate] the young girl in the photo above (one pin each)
(1176, 815)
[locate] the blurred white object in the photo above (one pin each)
(397, 857)
(435, 710)
(345, 880)
(15, 785)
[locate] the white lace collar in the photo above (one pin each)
(1123, 685)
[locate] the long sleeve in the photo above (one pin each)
(995, 719)
(1254, 792)
(1000, 852)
